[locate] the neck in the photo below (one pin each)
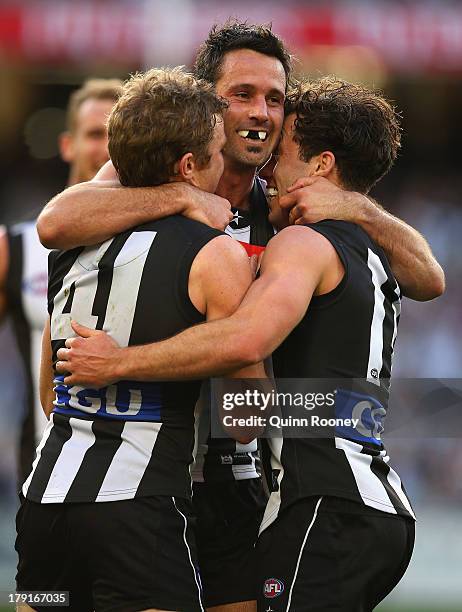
(236, 185)
(74, 177)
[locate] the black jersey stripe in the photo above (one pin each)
(105, 275)
(380, 469)
(388, 333)
(59, 435)
(70, 298)
(61, 265)
(97, 460)
(178, 448)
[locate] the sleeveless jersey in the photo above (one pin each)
(347, 334)
(130, 439)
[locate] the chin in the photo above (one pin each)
(257, 158)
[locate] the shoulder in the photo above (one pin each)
(342, 231)
(220, 276)
(224, 253)
(298, 240)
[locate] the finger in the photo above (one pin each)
(295, 214)
(63, 354)
(305, 181)
(81, 330)
(288, 200)
(68, 343)
(62, 366)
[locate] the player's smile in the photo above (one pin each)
(254, 134)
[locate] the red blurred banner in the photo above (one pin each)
(418, 37)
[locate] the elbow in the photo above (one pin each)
(439, 283)
(435, 286)
(249, 349)
(429, 288)
(48, 230)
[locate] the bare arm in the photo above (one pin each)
(47, 394)
(4, 265)
(414, 266)
(89, 213)
(292, 267)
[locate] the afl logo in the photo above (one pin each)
(273, 588)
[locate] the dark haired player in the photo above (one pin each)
(250, 67)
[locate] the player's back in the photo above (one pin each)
(129, 439)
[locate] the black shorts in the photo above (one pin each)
(328, 554)
(228, 519)
(120, 556)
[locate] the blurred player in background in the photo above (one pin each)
(24, 261)
(250, 67)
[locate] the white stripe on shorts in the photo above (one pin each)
(189, 553)
(315, 514)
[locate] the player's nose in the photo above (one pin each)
(259, 110)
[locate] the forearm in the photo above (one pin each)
(414, 266)
(210, 349)
(90, 213)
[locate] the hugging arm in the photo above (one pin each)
(312, 199)
(92, 212)
(293, 264)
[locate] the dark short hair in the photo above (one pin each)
(161, 115)
(92, 89)
(359, 126)
(238, 35)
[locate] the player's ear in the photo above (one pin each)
(185, 167)
(66, 147)
(324, 164)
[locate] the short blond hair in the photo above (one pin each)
(92, 89)
(161, 115)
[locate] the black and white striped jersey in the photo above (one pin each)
(129, 439)
(347, 334)
(224, 459)
(26, 289)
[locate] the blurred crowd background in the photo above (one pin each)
(410, 50)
